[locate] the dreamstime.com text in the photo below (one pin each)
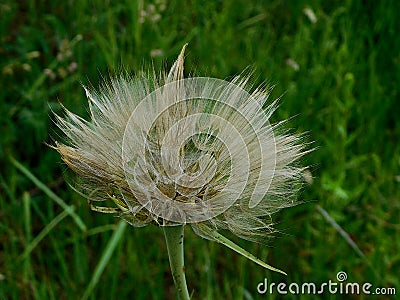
(309, 288)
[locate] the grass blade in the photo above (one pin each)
(50, 193)
(105, 258)
(339, 229)
(26, 201)
(43, 233)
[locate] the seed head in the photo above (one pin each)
(170, 150)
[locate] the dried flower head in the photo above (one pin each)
(197, 151)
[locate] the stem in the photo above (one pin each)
(174, 240)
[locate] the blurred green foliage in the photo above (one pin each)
(336, 64)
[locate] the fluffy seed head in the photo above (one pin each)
(171, 150)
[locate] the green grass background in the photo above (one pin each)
(345, 93)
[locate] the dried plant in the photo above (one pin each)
(173, 151)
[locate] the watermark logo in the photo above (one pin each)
(340, 287)
(341, 276)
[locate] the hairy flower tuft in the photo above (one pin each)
(198, 151)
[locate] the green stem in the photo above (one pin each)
(174, 240)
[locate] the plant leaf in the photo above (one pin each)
(228, 243)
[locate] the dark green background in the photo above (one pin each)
(345, 93)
